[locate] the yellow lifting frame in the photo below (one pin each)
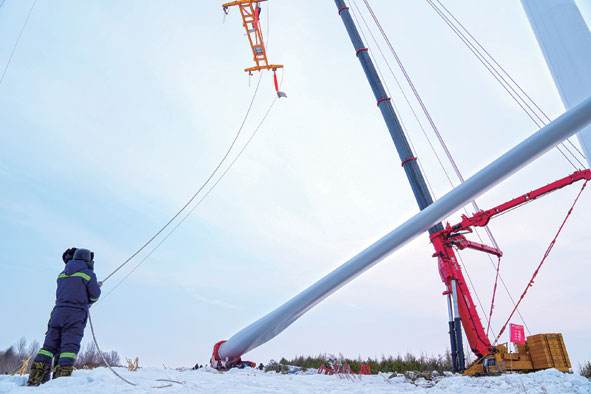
(253, 31)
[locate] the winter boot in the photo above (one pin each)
(47, 375)
(38, 371)
(61, 371)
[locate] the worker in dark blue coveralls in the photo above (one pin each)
(77, 289)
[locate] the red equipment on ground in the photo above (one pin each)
(224, 365)
(365, 370)
(343, 369)
(324, 370)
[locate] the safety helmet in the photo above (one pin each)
(68, 255)
(83, 254)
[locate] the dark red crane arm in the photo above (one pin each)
(483, 217)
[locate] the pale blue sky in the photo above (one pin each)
(113, 113)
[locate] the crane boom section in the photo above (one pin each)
(482, 218)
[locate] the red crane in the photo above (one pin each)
(450, 271)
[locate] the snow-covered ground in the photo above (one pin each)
(205, 380)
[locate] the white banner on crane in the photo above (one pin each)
(565, 40)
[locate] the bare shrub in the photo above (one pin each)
(134, 365)
(91, 358)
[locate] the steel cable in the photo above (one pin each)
(440, 139)
(103, 356)
(200, 188)
(506, 73)
(17, 41)
(398, 113)
(546, 254)
(198, 202)
(517, 97)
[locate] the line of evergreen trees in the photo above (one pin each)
(399, 364)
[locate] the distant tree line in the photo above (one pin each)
(11, 359)
(399, 364)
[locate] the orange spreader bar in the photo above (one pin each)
(250, 15)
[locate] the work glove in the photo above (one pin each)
(100, 283)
